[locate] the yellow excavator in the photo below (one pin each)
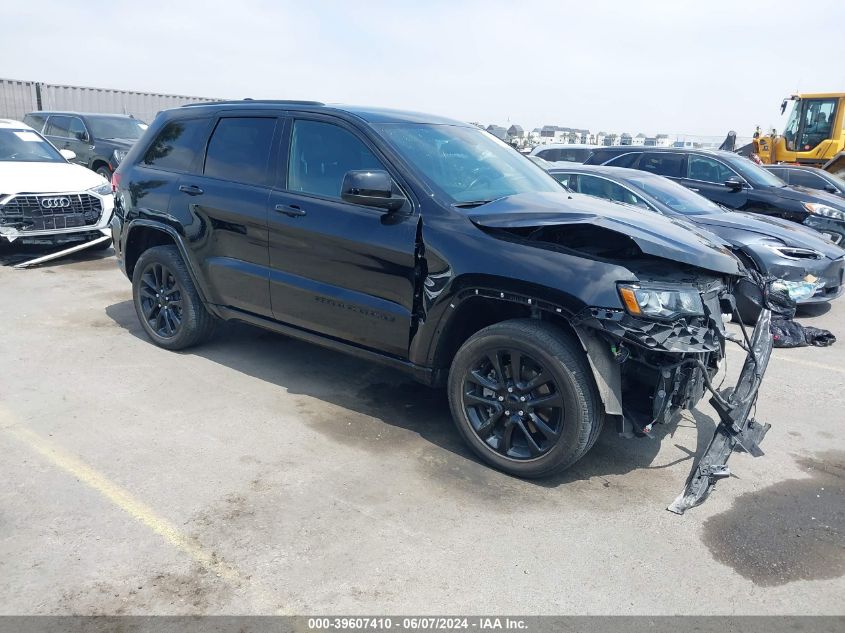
(813, 135)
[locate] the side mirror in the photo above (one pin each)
(371, 189)
(81, 136)
(733, 184)
(831, 189)
(67, 154)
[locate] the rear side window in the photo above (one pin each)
(805, 179)
(35, 121)
(567, 180)
(58, 126)
(549, 154)
(177, 145)
(662, 163)
(239, 150)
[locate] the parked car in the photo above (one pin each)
(735, 182)
(809, 177)
(563, 153)
(428, 245)
(100, 141)
(809, 266)
(45, 199)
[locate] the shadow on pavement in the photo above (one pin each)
(389, 396)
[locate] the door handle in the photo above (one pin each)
(290, 210)
(191, 190)
(693, 189)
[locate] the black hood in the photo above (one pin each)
(804, 194)
(736, 226)
(655, 234)
(119, 143)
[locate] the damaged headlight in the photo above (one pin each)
(661, 301)
(101, 190)
(824, 210)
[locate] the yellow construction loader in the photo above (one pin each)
(813, 135)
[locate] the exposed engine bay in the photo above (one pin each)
(648, 368)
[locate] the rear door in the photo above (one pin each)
(340, 269)
(707, 176)
(226, 197)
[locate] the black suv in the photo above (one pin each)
(100, 141)
(428, 245)
(735, 182)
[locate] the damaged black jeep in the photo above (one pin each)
(428, 245)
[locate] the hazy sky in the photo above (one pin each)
(698, 67)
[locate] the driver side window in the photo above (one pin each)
(708, 170)
(321, 154)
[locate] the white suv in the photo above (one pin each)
(44, 198)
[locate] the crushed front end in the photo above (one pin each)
(667, 346)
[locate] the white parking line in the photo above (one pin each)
(809, 363)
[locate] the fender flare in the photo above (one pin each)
(606, 371)
(177, 238)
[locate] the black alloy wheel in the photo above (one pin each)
(161, 300)
(523, 397)
(513, 404)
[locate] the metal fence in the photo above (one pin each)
(19, 97)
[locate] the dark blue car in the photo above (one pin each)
(810, 266)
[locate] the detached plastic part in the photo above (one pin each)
(62, 253)
(735, 428)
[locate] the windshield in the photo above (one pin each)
(28, 147)
(755, 174)
(116, 127)
(467, 164)
(675, 196)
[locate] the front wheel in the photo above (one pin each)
(167, 302)
(523, 398)
(104, 171)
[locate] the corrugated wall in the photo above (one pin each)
(19, 97)
(16, 98)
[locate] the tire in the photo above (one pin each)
(104, 171)
(161, 272)
(476, 390)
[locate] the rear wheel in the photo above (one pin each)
(523, 398)
(167, 302)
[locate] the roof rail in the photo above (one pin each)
(256, 101)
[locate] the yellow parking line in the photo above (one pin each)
(124, 500)
(809, 363)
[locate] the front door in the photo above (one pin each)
(340, 269)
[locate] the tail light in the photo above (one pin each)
(115, 182)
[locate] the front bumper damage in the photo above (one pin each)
(647, 371)
(736, 427)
